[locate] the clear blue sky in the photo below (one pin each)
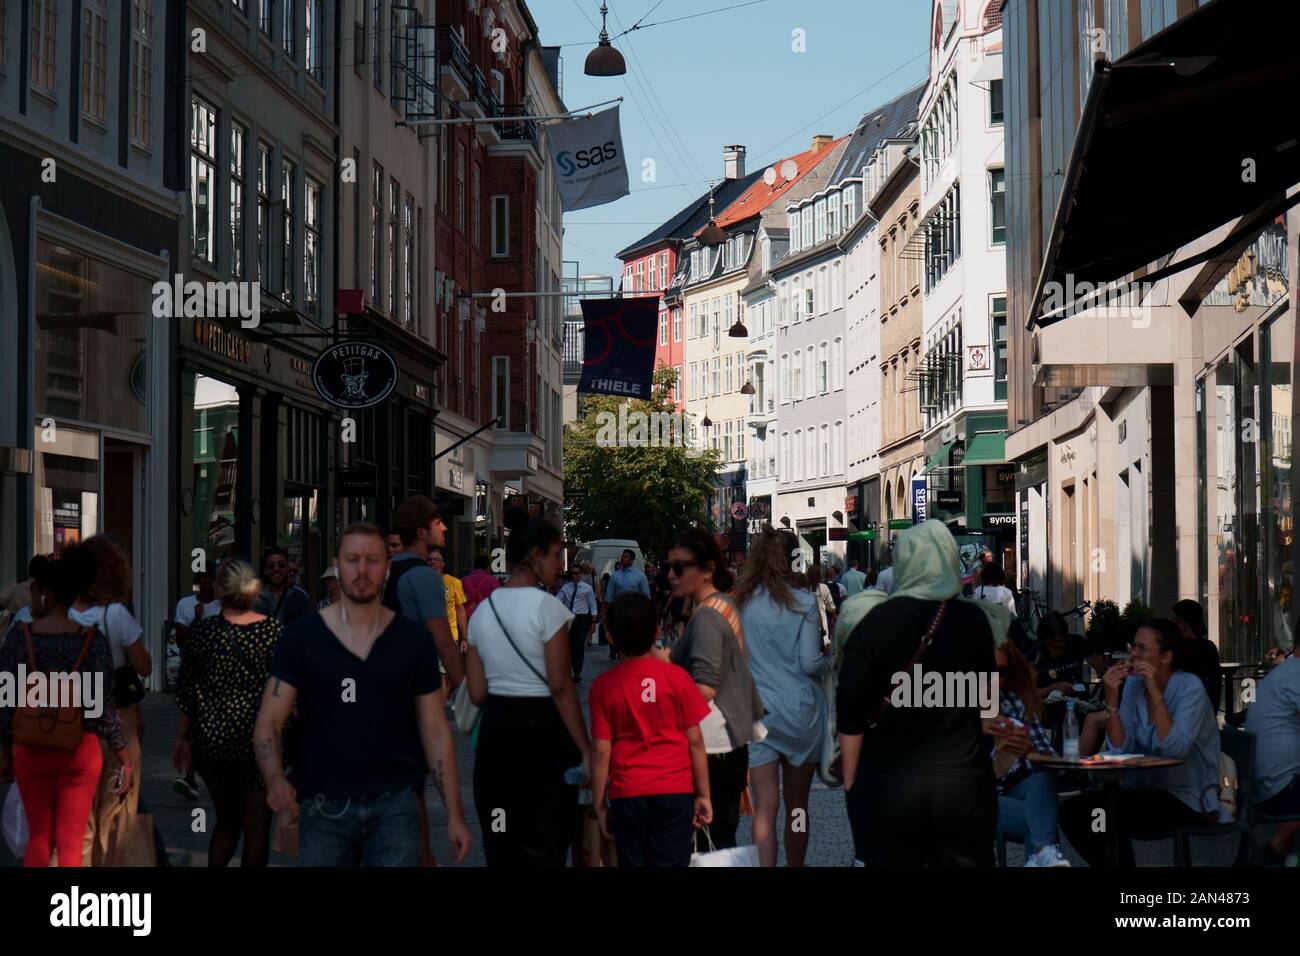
(730, 77)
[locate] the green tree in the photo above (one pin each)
(642, 484)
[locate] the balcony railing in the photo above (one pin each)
(453, 52)
(485, 96)
(519, 129)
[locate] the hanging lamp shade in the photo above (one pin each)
(748, 387)
(604, 60)
(738, 331)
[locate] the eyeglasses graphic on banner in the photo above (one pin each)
(618, 346)
(590, 167)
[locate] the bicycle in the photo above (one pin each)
(1030, 608)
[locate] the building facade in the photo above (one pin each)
(93, 187)
(963, 386)
(1154, 429)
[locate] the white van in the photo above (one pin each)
(605, 554)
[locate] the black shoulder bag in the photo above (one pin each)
(128, 688)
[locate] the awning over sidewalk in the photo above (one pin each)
(940, 458)
(1184, 133)
(987, 448)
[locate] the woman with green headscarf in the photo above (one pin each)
(918, 777)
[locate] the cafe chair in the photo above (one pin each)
(1240, 746)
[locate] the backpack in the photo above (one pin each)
(395, 572)
(50, 728)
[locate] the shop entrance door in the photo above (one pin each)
(123, 504)
(300, 537)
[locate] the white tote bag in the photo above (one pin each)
(826, 768)
(466, 711)
(734, 856)
(15, 823)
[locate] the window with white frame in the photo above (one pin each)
(501, 391)
(693, 382)
(837, 363)
(94, 60)
(677, 386)
(794, 231)
(824, 450)
(786, 378)
(796, 383)
(500, 226)
(409, 261)
(677, 325)
(627, 279)
(460, 186)
(833, 214)
(809, 302)
(823, 368)
(836, 289)
(314, 38)
(45, 44)
(726, 441)
(288, 202)
(377, 236)
(819, 220)
(238, 136)
(640, 276)
(806, 219)
(203, 180)
(663, 270)
(998, 205)
(727, 381)
(141, 71)
(311, 247)
(837, 448)
(716, 383)
(476, 204)
(663, 328)
(785, 456)
(849, 212)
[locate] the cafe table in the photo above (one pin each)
(1110, 771)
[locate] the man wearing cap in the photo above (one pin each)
(331, 581)
(414, 589)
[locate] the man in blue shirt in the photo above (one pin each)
(854, 580)
(626, 577)
(414, 589)
(1274, 719)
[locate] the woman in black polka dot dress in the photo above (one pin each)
(223, 672)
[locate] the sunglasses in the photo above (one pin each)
(677, 568)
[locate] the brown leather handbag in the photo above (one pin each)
(50, 728)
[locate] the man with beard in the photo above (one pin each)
(371, 720)
(281, 598)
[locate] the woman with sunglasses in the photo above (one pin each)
(1027, 803)
(713, 653)
(1163, 712)
(531, 731)
(789, 658)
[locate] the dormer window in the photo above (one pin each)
(833, 215)
(795, 245)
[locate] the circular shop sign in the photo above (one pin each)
(354, 374)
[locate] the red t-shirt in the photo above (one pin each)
(644, 707)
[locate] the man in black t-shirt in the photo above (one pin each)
(371, 724)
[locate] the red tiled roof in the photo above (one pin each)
(760, 195)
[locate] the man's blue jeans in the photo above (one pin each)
(1029, 812)
(383, 830)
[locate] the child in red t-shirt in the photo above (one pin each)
(647, 754)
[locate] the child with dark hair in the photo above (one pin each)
(647, 749)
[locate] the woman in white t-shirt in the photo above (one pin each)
(531, 730)
(825, 602)
(107, 572)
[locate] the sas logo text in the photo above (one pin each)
(571, 162)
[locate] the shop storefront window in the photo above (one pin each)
(1225, 504)
(67, 486)
(1277, 346)
(92, 337)
(300, 536)
(216, 468)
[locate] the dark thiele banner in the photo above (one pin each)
(619, 346)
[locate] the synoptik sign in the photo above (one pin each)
(590, 167)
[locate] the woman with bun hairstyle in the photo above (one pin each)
(531, 730)
(225, 667)
(58, 786)
(713, 652)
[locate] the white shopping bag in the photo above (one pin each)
(15, 823)
(735, 856)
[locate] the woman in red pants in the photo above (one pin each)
(58, 786)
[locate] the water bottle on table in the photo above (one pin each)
(1070, 733)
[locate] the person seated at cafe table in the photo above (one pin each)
(1274, 719)
(1027, 802)
(1061, 655)
(1164, 712)
(1202, 656)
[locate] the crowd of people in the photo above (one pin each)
(734, 685)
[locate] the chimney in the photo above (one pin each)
(733, 161)
(821, 141)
